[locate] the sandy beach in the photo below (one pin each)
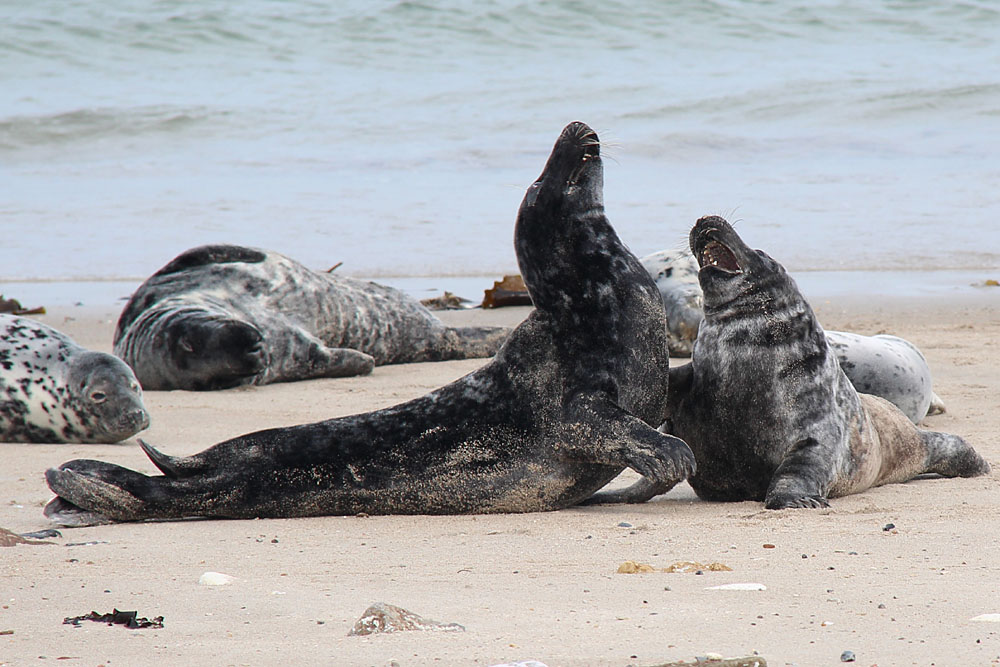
(537, 586)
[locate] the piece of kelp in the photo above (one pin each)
(127, 618)
(14, 307)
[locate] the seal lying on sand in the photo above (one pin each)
(220, 316)
(53, 390)
(886, 366)
(565, 405)
(767, 409)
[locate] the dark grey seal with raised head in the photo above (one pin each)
(53, 390)
(567, 403)
(765, 405)
(219, 316)
(883, 365)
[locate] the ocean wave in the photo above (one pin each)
(29, 131)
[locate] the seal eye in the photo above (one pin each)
(98, 397)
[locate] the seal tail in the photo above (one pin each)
(951, 456)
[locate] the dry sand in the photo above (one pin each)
(536, 586)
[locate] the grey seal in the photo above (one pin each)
(220, 316)
(767, 409)
(890, 367)
(53, 390)
(567, 403)
(886, 366)
(676, 275)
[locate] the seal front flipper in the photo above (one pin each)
(298, 355)
(802, 479)
(618, 438)
(639, 492)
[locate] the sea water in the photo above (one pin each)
(398, 137)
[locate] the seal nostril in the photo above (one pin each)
(98, 397)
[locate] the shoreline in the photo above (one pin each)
(944, 285)
(535, 586)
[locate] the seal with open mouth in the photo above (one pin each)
(767, 409)
(569, 401)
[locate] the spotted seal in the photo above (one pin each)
(883, 365)
(890, 367)
(53, 390)
(765, 405)
(676, 275)
(220, 316)
(566, 404)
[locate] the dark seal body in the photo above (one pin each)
(221, 316)
(568, 402)
(53, 390)
(765, 405)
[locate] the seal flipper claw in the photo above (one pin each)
(802, 479)
(618, 438)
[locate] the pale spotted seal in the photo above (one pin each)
(676, 275)
(765, 406)
(886, 366)
(568, 402)
(53, 390)
(220, 316)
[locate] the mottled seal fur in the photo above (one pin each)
(53, 390)
(886, 366)
(765, 405)
(889, 367)
(219, 316)
(676, 275)
(567, 403)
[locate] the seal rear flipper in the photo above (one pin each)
(615, 437)
(937, 406)
(211, 254)
(90, 490)
(173, 467)
(64, 513)
(639, 492)
(951, 456)
(471, 342)
(802, 478)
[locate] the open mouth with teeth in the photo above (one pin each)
(718, 255)
(591, 150)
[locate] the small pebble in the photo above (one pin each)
(624, 524)
(889, 526)
(847, 656)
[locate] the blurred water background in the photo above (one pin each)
(858, 142)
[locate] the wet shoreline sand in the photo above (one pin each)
(537, 586)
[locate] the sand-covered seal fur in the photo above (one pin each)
(567, 403)
(883, 365)
(765, 405)
(53, 390)
(219, 316)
